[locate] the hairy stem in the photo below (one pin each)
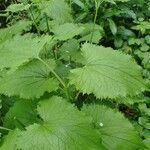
(6, 129)
(33, 19)
(58, 78)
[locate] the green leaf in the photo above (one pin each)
(9, 142)
(116, 131)
(17, 7)
(143, 108)
(145, 122)
(147, 143)
(31, 80)
(58, 10)
(64, 127)
(21, 49)
(112, 26)
(17, 28)
(67, 31)
(107, 73)
(98, 33)
(22, 113)
(147, 38)
(145, 47)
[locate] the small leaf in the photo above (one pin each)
(112, 26)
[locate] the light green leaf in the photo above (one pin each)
(147, 143)
(107, 73)
(147, 38)
(64, 128)
(21, 49)
(67, 31)
(70, 50)
(17, 28)
(79, 3)
(17, 7)
(143, 107)
(145, 47)
(88, 29)
(145, 122)
(116, 131)
(9, 142)
(58, 10)
(112, 26)
(30, 81)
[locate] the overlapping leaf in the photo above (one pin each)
(17, 28)
(30, 80)
(107, 73)
(22, 113)
(58, 10)
(64, 128)
(67, 31)
(116, 131)
(21, 49)
(9, 142)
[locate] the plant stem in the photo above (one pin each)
(54, 73)
(33, 19)
(47, 24)
(70, 3)
(3, 128)
(58, 78)
(95, 18)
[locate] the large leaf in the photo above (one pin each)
(64, 128)
(116, 131)
(29, 81)
(21, 49)
(107, 73)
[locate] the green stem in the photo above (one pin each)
(3, 128)
(54, 73)
(95, 18)
(47, 24)
(70, 3)
(33, 19)
(58, 78)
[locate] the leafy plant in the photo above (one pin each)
(67, 77)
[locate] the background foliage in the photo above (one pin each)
(74, 74)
